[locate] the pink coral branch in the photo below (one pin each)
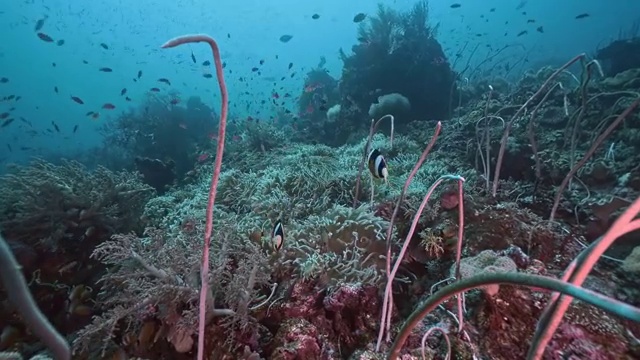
(388, 289)
(446, 339)
(385, 304)
(576, 273)
(460, 297)
(214, 180)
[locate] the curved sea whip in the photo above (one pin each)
(204, 279)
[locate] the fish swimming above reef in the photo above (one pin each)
(40, 23)
(44, 37)
(285, 38)
(378, 165)
(359, 17)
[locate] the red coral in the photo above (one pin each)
(297, 339)
(355, 309)
(300, 303)
(574, 343)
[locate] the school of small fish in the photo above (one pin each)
(276, 96)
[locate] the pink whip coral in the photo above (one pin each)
(216, 174)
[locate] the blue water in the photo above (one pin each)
(248, 31)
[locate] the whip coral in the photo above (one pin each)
(216, 173)
(387, 304)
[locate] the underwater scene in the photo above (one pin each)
(301, 180)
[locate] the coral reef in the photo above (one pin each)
(331, 268)
(317, 123)
(156, 173)
(160, 129)
(396, 53)
(620, 55)
(53, 217)
(545, 180)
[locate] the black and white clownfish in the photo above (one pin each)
(277, 236)
(377, 165)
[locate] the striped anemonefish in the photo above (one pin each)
(277, 236)
(377, 165)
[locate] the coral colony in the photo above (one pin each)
(505, 230)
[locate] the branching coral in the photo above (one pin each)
(53, 217)
(306, 179)
(157, 279)
(432, 243)
(47, 206)
(259, 136)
